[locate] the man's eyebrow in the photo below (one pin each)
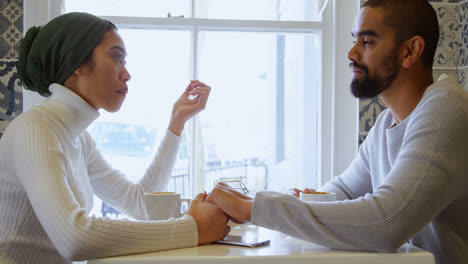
(365, 33)
(119, 48)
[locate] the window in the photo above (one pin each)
(270, 116)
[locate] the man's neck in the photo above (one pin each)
(405, 93)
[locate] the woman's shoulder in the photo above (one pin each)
(36, 116)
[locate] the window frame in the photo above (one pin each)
(338, 111)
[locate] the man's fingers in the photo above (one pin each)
(222, 184)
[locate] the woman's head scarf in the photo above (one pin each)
(51, 53)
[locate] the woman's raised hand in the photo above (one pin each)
(190, 103)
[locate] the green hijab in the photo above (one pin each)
(51, 53)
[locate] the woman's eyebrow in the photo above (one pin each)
(119, 48)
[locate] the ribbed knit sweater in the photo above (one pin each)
(408, 182)
(49, 170)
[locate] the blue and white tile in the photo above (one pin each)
(463, 77)
(11, 28)
(369, 110)
(11, 92)
(463, 35)
(447, 52)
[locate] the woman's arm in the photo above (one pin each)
(113, 187)
(44, 169)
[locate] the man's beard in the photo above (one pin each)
(369, 87)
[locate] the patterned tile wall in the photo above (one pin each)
(11, 28)
(463, 44)
(451, 56)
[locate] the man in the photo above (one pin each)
(409, 180)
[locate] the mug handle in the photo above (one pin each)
(182, 200)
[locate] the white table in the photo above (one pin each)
(282, 249)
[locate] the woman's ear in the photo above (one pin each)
(71, 80)
(412, 51)
(80, 71)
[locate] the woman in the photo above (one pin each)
(50, 167)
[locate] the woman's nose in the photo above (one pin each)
(126, 75)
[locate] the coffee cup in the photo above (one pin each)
(317, 196)
(164, 205)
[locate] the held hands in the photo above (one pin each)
(211, 211)
(211, 221)
(190, 103)
(235, 204)
(296, 192)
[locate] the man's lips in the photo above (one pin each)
(357, 71)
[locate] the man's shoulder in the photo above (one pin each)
(447, 92)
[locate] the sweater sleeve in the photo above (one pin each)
(354, 182)
(427, 176)
(114, 188)
(42, 168)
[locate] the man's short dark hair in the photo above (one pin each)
(411, 18)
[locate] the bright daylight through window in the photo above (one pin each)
(259, 130)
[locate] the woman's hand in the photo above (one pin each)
(235, 204)
(190, 103)
(211, 221)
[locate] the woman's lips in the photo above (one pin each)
(123, 91)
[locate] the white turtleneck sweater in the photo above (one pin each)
(408, 182)
(50, 169)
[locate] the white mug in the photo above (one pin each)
(164, 205)
(317, 196)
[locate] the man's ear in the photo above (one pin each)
(412, 51)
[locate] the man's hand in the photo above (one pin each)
(235, 204)
(211, 221)
(296, 192)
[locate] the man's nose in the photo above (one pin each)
(353, 54)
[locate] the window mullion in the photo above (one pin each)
(194, 166)
(216, 24)
(192, 8)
